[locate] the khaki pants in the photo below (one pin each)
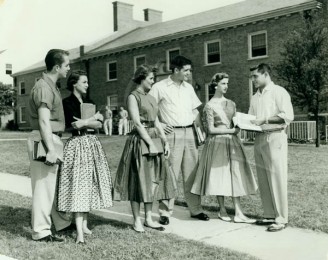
(122, 126)
(108, 126)
(44, 179)
(271, 165)
(184, 158)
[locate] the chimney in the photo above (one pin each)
(81, 50)
(153, 16)
(123, 16)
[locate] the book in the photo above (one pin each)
(87, 110)
(244, 121)
(40, 150)
(157, 142)
(200, 136)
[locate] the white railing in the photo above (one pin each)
(302, 130)
(297, 130)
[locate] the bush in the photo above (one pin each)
(11, 125)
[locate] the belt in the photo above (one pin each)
(187, 126)
(82, 133)
(60, 134)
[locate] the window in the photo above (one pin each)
(170, 54)
(212, 52)
(209, 93)
(139, 60)
(112, 70)
(22, 114)
(257, 44)
(22, 89)
(112, 101)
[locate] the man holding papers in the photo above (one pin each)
(271, 104)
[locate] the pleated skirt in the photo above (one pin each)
(84, 181)
(224, 169)
(143, 178)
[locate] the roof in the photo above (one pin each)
(237, 12)
(222, 17)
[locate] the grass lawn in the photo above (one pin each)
(110, 240)
(307, 180)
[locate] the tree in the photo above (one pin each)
(304, 65)
(7, 99)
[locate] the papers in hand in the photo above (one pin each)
(243, 121)
(87, 110)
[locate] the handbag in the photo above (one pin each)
(157, 142)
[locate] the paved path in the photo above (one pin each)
(290, 244)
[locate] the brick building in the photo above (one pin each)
(230, 39)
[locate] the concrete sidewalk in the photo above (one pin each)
(289, 244)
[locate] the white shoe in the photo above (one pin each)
(224, 218)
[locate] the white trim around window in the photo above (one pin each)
(21, 113)
(206, 62)
(168, 57)
(250, 47)
(135, 65)
(107, 71)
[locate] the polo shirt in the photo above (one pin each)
(45, 91)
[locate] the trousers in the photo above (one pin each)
(270, 150)
(44, 180)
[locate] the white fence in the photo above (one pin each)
(297, 130)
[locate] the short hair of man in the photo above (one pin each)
(74, 78)
(55, 57)
(141, 73)
(216, 79)
(178, 62)
(262, 68)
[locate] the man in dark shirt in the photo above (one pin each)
(47, 122)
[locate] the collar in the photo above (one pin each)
(141, 92)
(269, 87)
(49, 81)
(171, 82)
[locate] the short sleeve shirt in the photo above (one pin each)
(45, 91)
(175, 102)
(273, 101)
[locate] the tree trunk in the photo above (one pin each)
(317, 128)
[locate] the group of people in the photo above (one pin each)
(76, 178)
(122, 123)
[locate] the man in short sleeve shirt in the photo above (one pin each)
(271, 104)
(178, 105)
(48, 122)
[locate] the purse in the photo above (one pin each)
(157, 142)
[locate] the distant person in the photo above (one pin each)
(271, 104)
(123, 121)
(144, 177)
(84, 181)
(178, 103)
(108, 122)
(224, 170)
(47, 122)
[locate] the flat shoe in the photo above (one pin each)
(224, 218)
(247, 220)
(156, 228)
(138, 230)
(276, 227)
(264, 222)
(201, 216)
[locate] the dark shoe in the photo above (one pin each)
(164, 220)
(265, 222)
(201, 216)
(51, 238)
(156, 228)
(71, 227)
(82, 243)
(276, 227)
